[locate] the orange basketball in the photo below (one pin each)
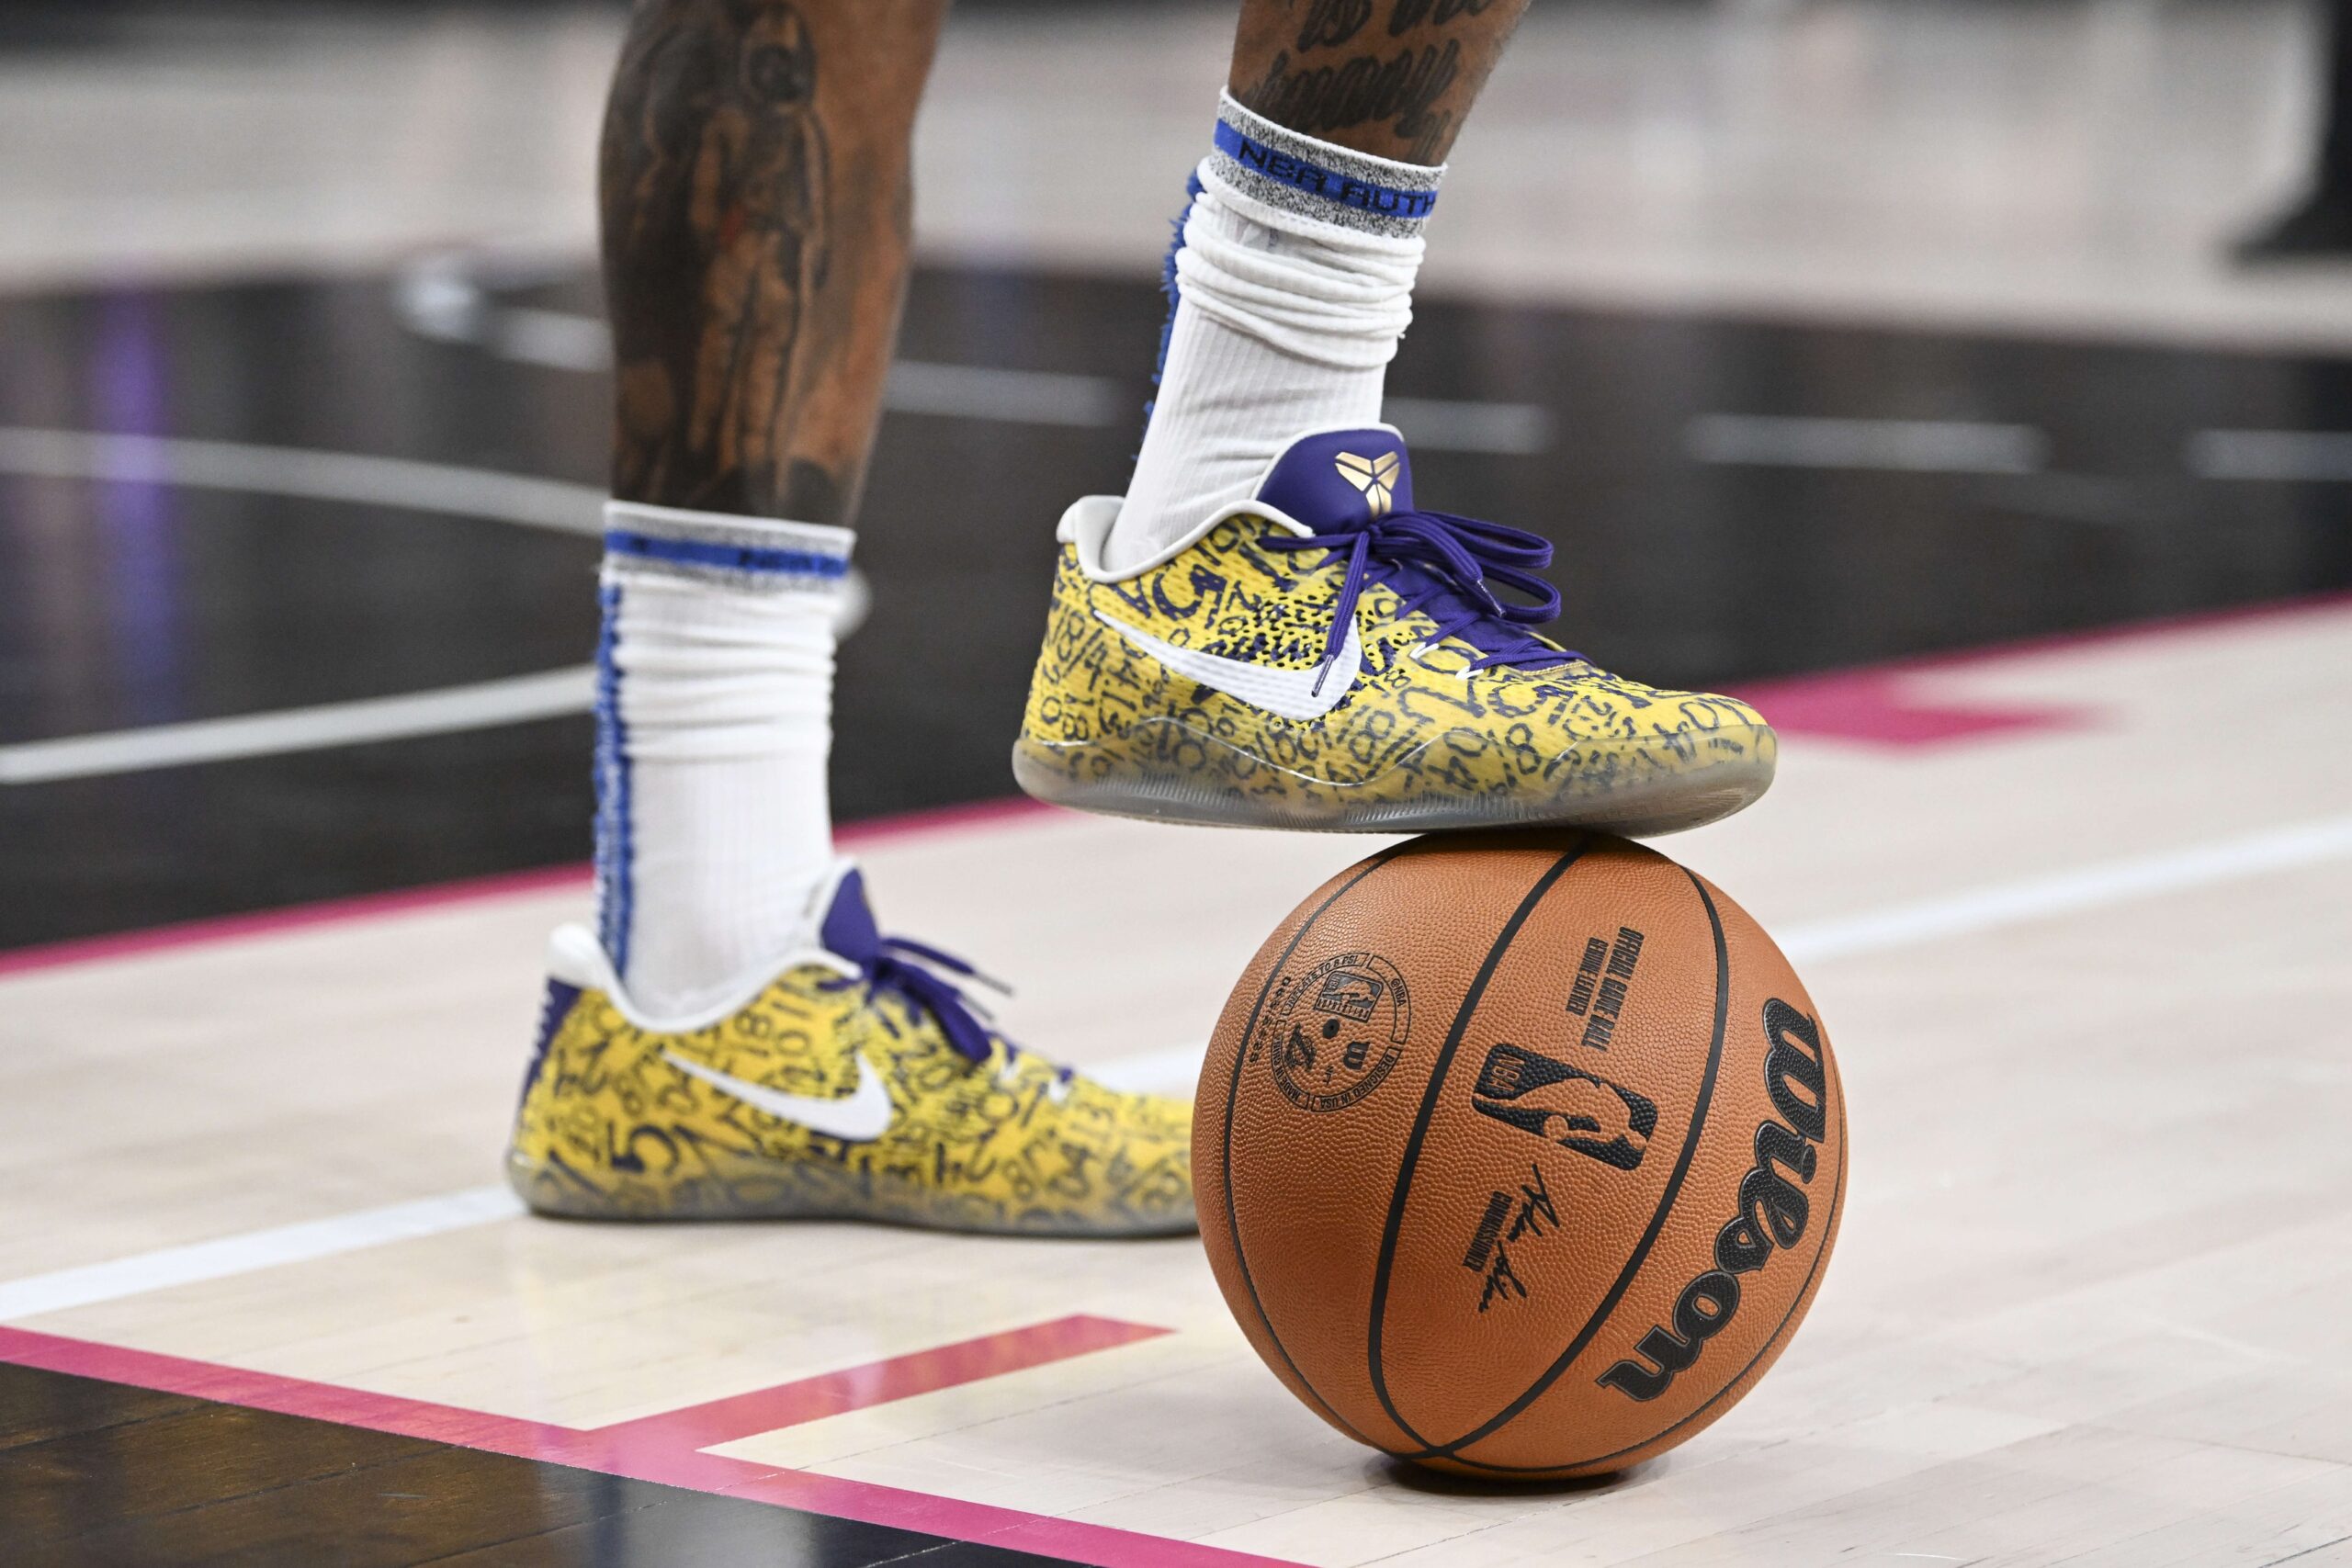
(1519, 1154)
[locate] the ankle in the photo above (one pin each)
(714, 722)
(1290, 283)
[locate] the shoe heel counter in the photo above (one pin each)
(1044, 716)
(555, 1006)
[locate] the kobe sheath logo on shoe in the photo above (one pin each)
(1296, 694)
(1376, 477)
(857, 1118)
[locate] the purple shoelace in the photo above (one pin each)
(908, 970)
(1442, 564)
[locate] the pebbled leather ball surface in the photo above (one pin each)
(1518, 1154)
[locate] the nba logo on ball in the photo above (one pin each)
(1557, 1207)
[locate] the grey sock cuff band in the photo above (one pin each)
(1315, 179)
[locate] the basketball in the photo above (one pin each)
(1519, 1154)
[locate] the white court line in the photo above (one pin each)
(1928, 920)
(482, 704)
(454, 309)
(2069, 892)
(438, 488)
(1019, 397)
(306, 474)
(232, 1255)
(441, 299)
(2282, 455)
(1437, 425)
(1173, 1071)
(309, 475)
(555, 338)
(1907, 445)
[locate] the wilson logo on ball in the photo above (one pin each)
(1773, 1207)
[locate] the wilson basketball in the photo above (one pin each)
(1519, 1154)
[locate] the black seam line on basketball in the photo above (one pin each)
(1233, 1094)
(1593, 1325)
(1401, 1190)
(1820, 1259)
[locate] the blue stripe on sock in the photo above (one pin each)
(731, 558)
(1168, 286)
(616, 854)
(1301, 174)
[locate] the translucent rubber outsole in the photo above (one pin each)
(1167, 771)
(546, 1190)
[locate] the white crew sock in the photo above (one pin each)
(714, 719)
(1293, 280)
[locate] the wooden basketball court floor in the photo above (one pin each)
(2078, 916)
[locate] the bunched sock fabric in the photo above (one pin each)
(714, 723)
(1290, 283)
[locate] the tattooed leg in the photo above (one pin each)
(755, 198)
(755, 201)
(1394, 78)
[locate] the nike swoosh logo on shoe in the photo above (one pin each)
(1290, 693)
(858, 1118)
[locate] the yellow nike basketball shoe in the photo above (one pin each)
(1326, 657)
(858, 1084)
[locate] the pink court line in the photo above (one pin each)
(661, 1449)
(878, 1382)
(1882, 709)
(2157, 629)
(1866, 703)
(1876, 705)
(944, 820)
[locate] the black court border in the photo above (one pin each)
(222, 1481)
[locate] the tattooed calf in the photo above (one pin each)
(1407, 15)
(718, 184)
(760, 190)
(1401, 90)
(1331, 23)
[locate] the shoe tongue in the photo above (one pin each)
(849, 930)
(1336, 481)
